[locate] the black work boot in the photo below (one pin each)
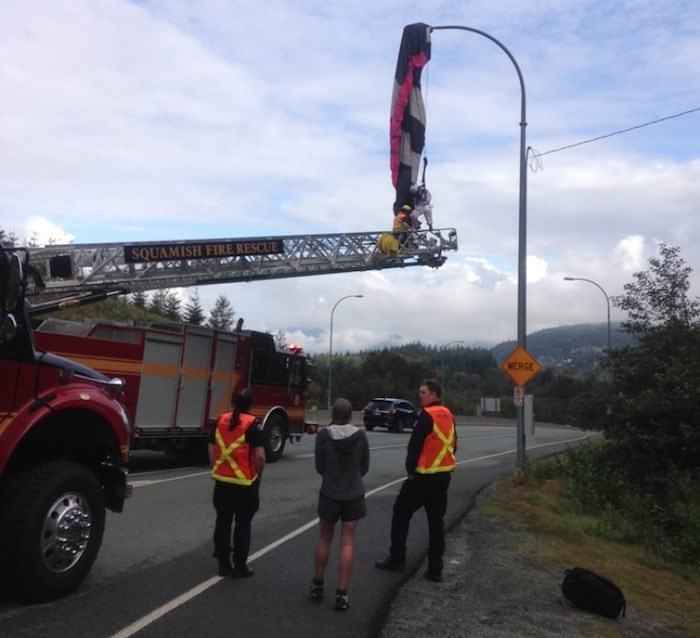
(240, 565)
(392, 564)
(225, 567)
(241, 570)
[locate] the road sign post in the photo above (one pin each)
(519, 396)
(521, 367)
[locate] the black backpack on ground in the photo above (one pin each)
(590, 591)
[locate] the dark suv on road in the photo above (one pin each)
(396, 415)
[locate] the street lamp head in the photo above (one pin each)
(605, 294)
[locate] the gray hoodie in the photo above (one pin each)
(342, 459)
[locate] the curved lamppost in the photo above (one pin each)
(442, 360)
(330, 345)
(607, 300)
(522, 226)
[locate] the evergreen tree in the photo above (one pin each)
(8, 239)
(221, 315)
(172, 306)
(139, 299)
(194, 313)
(157, 302)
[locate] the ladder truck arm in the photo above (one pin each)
(142, 266)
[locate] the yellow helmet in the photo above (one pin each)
(407, 207)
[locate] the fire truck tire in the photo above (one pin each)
(275, 438)
(52, 527)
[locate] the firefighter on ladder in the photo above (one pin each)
(402, 223)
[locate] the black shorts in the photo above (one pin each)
(329, 509)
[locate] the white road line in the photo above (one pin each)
(147, 482)
(161, 611)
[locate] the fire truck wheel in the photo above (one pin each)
(275, 438)
(53, 522)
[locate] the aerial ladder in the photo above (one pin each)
(107, 269)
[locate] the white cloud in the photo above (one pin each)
(630, 251)
(42, 231)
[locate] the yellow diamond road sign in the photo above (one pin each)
(520, 366)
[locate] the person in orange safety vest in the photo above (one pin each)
(430, 461)
(237, 457)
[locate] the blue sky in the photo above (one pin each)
(136, 121)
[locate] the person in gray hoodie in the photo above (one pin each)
(342, 459)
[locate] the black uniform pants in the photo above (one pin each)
(241, 502)
(428, 491)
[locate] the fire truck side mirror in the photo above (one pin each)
(8, 328)
(14, 282)
(9, 297)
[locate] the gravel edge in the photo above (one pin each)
(495, 588)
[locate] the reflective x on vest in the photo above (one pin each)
(447, 446)
(227, 457)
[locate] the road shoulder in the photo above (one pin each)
(494, 587)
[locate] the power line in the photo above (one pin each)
(535, 156)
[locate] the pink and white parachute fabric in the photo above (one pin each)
(407, 122)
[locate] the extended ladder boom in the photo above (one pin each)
(142, 266)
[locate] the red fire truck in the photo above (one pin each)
(180, 377)
(64, 443)
(65, 428)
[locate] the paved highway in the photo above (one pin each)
(155, 576)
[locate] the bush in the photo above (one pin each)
(595, 478)
(663, 516)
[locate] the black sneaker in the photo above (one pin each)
(391, 564)
(316, 590)
(341, 600)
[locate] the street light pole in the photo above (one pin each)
(447, 345)
(522, 228)
(330, 345)
(607, 300)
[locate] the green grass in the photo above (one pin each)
(538, 503)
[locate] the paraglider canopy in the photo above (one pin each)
(407, 121)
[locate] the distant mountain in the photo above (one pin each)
(576, 348)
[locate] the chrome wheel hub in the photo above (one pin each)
(66, 532)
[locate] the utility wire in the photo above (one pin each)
(536, 156)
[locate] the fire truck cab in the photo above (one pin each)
(64, 444)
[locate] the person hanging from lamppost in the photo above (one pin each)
(424, 208)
